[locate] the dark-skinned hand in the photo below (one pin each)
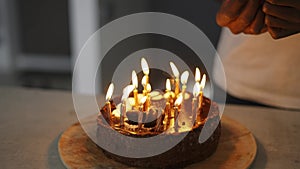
(282, 17)
(242, 16)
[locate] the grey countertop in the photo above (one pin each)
(31, 121)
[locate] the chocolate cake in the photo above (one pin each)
(186, 152)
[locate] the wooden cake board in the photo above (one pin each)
(236, 149)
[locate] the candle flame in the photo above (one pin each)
(197, 75)
(134, 79)
(184, 77)
(174, 70)
(148, 88)
(126, 92)
(203, 81)
(145, 66)
(196, 89)
(131, 101)
(178, 100)
(143, 100)
(144, 80)
(168, 85)
(109, 92)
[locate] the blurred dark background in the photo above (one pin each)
(39, 40)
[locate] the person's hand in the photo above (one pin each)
(241, 16)
(258, 24)
(282, 17)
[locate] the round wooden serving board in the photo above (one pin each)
(236, 149)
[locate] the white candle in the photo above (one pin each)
(135, 91)
(176, 112)
(122, 114)
(140, 116)
(168, 104)
(202, 85)
(196, 91)
(167, 115)
(169, 94)
(126, 91)
(158, 121)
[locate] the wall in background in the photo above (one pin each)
(200, 13)
(44, 27)
(38, 47)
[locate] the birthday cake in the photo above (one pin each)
(168, 115)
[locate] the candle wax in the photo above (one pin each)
(183, 92)
(136, 99)
(167, 115)
(147, 103)
(199, 107)
(109, 112)
(123, 111)
(194, 109)
(140, 118)
(176, 112)
(176, 87)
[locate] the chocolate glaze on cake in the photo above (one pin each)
(186, 152)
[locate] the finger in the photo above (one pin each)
(264, 29)
(290, 3)
(278, 33)
(283, 12)
(258, 23)
(245, 18)
(232, 28)
(229, 11)
(272, 21)
(250, 32)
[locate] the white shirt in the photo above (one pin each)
(261, 69)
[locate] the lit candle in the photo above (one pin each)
(147, 103)
(196, 91)
(176, 74)
(202, 85)
(126, 91)
(108, 105)
(145, 69)
(167, 114)
(196, 94)
(176, 111)
(140, 116)
(135, 91)
(144, 83)
(169, 94)
(168, 105)
(197, 75)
